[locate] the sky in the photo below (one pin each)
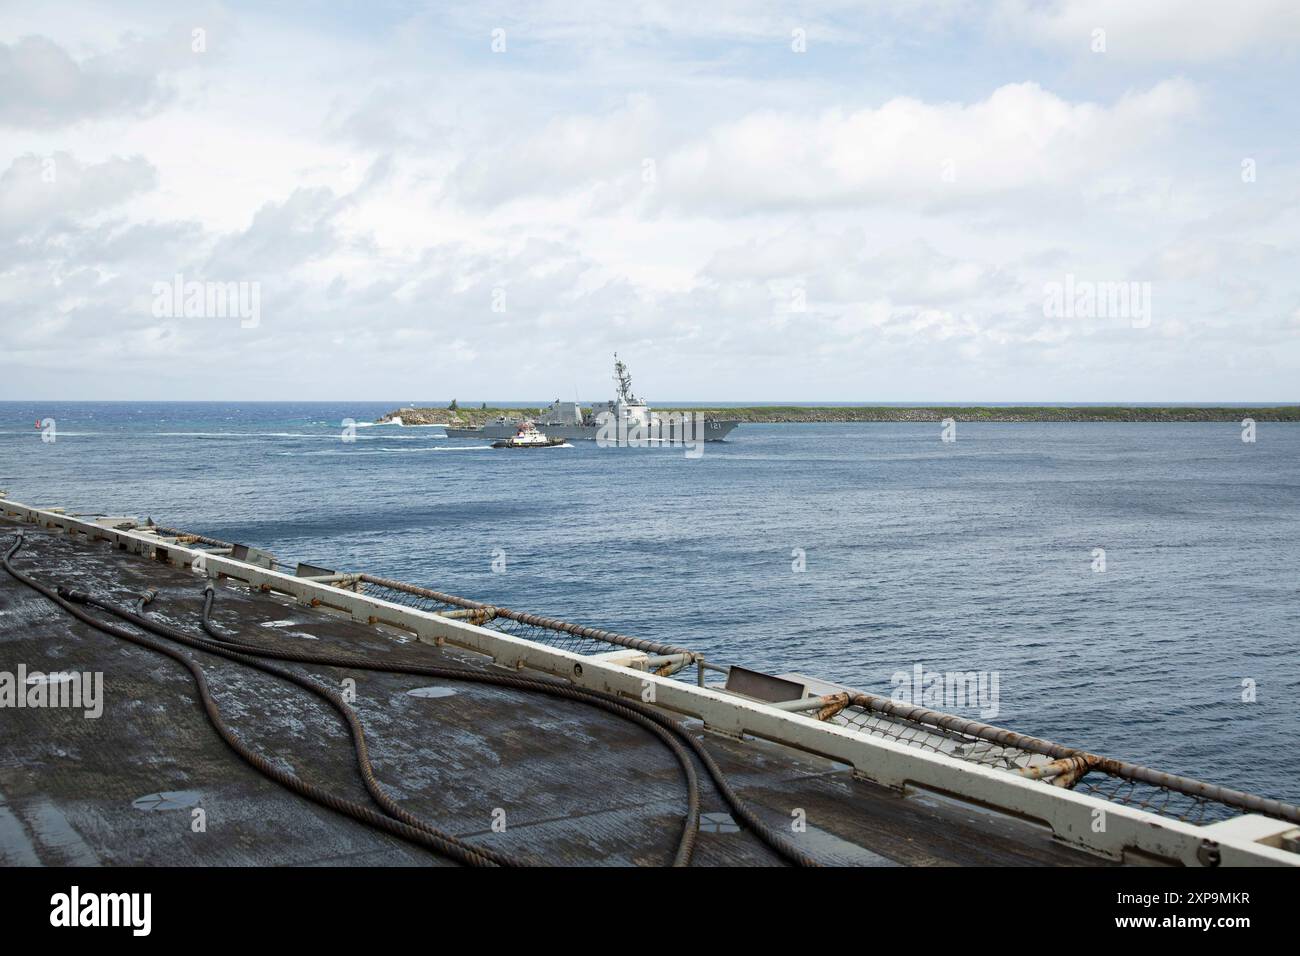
(922, 201)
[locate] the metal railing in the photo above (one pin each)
(1178, 797)
(1036, 762)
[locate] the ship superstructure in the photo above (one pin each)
(626, 419)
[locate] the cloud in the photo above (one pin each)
(572, 151)
(848, 268)
(391, 114)
(1167, 30)
(873, 219)
(42, 86)
(40, 194)
(1020, 138)
(567, 22)
(281, 236)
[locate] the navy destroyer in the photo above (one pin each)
(614, 420)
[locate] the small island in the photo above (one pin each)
(461, 417)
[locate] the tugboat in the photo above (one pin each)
(527, 436)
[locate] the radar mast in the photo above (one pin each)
(623, 381)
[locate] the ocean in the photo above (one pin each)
(1127, 584)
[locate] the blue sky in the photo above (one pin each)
(866, 201)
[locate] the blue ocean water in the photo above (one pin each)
(972, 556)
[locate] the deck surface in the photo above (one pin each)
(577, 786)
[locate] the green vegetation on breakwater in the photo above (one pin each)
(992, 413)
(890, 413)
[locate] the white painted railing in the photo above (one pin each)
(1087, 822)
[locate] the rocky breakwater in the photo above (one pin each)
(467, 417)
(459, 417)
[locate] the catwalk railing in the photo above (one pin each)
(893, 743)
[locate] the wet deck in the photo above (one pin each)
(576, 785)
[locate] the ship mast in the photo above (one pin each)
(623, 381)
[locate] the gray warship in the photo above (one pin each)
(621, 420)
